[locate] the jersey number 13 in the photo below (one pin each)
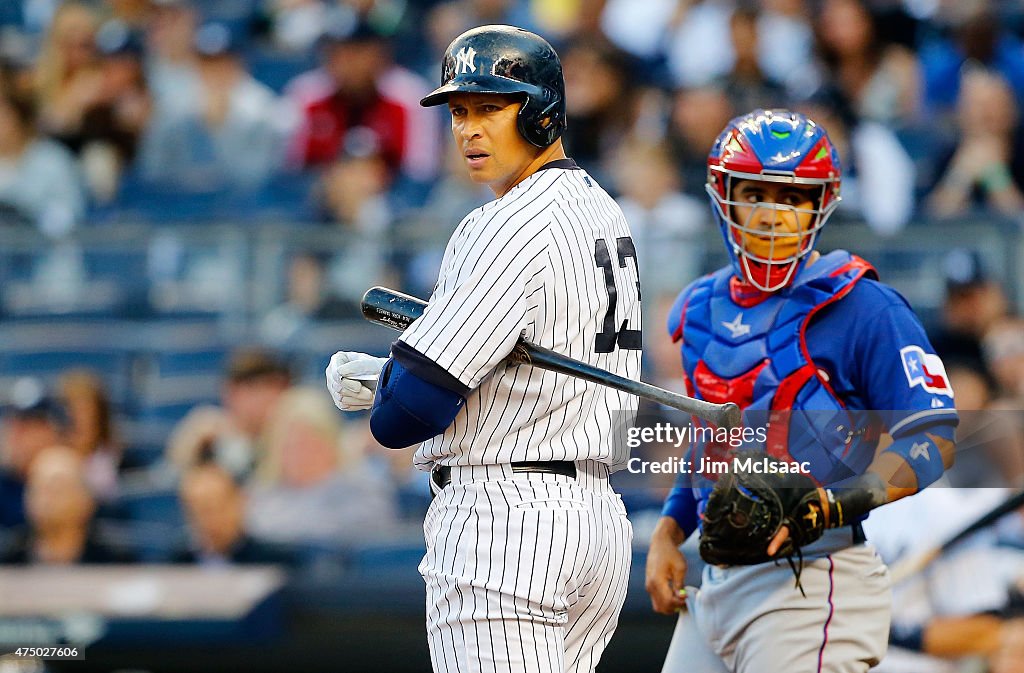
(609, 337)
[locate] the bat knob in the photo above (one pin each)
(520, 355)
(732, 417)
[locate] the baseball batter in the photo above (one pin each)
(528, 548)
(826, 358)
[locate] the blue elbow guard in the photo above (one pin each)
(681, 505)
(408, 410)
(922, 454)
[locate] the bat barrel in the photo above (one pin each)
(391, 308)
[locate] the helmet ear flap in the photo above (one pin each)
(541, 127)
(543, 118)
(546, 117)
(528, 128)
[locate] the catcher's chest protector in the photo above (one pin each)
(757, 357)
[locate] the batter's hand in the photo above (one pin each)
(351, 379)
(666, 568)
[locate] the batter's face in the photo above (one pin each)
(485, 130)
(774, 215)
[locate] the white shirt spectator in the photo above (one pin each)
(700, 47)
(637, 27)
(883, 191)
(44, 186)
(788, 64)
(667, 240)
(346, 507)
(970, 579)
(243, 150)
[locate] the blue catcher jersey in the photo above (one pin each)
(827, 364)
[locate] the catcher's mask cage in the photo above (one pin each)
(780, 147)
(508, 60)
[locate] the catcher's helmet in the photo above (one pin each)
(508, 60)
(774, 146)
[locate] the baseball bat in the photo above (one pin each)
(397, 310)
(901, 570)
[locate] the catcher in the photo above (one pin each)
(827, 360)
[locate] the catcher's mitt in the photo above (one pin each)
(746, 510)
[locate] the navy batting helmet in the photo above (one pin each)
(508, 60)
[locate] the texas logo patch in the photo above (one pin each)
(926, 370)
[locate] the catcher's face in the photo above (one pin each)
(773, 218)
(486, 133)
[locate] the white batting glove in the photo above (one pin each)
(351, 379)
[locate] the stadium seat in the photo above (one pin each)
(141, 456)
(179, 363)
(155, 523)
(113, 366)
(276, 68)
(171, 383)
(286, 197)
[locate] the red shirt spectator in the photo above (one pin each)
(346, 94)
(328, 120)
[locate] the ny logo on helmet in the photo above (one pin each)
(465, 60)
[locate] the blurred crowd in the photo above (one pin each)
(304, 114)
(312, 105)
(272, 474)
(158, 112)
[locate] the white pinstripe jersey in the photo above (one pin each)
(553, 260)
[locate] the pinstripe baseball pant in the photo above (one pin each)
(525, 572)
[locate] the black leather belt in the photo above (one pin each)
(442, 474)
